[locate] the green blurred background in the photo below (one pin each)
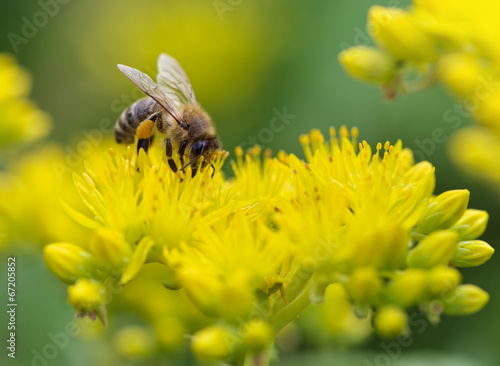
(245, 59)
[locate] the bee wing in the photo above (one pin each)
(174, 81)
(148, 86)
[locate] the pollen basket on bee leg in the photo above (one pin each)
(145, 128)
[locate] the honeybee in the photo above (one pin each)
(170, 108)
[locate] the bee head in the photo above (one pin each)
(205, 148)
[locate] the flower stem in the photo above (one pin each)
(292, 310)
(261, 359)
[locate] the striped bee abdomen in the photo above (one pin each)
(129, 120)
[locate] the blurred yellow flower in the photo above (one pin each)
(344, 228)
(21, 121)
(36, 187)
(454, 42)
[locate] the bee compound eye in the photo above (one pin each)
(197, 148)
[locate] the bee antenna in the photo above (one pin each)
(185, 166)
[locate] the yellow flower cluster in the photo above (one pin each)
(21, 121)
(32, 183)
(454, 42)
(253, 251)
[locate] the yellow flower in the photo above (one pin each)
(472, 224)
(399, 33)
(368, 64)
(364, 285)
(472, 253)
(213, 343)
(443, 279)
(88, 297)
(465, 299)
(257, 335)
(254, 250)
(20, 120)
(435, 249)
(110, 248)
(390, 321)
(407, 288)
(33, 183)
(134, 343)
(452, 42)
(70, 262)
(443, 211)
(475, 149)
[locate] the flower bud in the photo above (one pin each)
(134, 343)
(197, 285)
(364, 285)
(421, 174)
(407, 288)
(69, 262)
(472, 253)
(235, 297)
(444, 211)
(442, 280)
(472, 224)
(399, 33)
(213, 343)
(461, 73)
(110, 248)
(435, 7)
(336, 308)
(435, 249)
(464, 300)
(368, 64)
(488, 109)
(257, 335)
(383, 247)
(390, 321)
(88, 297)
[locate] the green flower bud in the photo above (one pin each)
(472, 253)
(368, 64)
(399, 33)
(442, 280)
(435, 249)
(214, 343)
(472, 224)
(390, 321)
(466, 299)
(69, 262)
(444, 211)
(407, 288)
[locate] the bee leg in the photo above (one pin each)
(168, 151)
(213, 171)
(144, 132)
(182, 148)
